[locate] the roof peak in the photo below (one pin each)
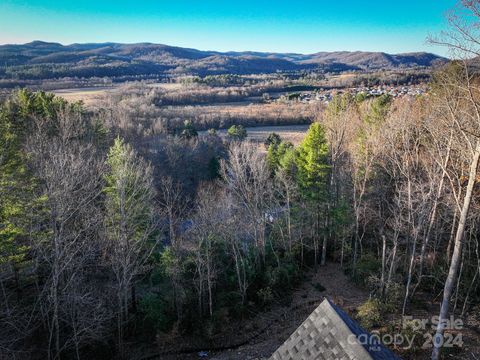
(329, 333)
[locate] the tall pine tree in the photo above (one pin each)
(130, 223)
(312, 175)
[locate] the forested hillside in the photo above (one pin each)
(123, 230)
(41, 60)
(105, 240)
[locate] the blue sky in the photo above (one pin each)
(259, 25)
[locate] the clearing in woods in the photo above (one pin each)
(90, 95)
(292, 133)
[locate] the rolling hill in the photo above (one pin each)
(46, 60)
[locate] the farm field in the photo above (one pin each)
(88, 95)
(291, 133)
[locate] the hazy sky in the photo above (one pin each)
(276, 25)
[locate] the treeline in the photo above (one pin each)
(376, 78)
(98, 68)
(198, 92)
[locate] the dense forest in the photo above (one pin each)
(113, 233)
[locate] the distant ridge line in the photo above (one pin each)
(39, 59)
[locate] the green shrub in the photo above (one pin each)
(368, 265)
(393, 295)
(188, 131)
(156, 313)
(370, 313)
(237, 132)
(265, 296)
(232, 301)
(410, 331)
(283, 278)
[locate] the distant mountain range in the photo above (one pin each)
(45, 60)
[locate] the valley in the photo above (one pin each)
(298, 200)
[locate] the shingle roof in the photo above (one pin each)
(329, 333)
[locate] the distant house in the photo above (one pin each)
(330, 334)
(275, 214)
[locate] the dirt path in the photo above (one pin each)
(337, 288)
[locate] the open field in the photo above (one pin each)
(166, 86)
(292, 133)
(88, 95)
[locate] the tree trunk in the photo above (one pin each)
(394, 257)
(384, 251)
(355, 235)
(452, 236)
(134, 298)
(324, 245)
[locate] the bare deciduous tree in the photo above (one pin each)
(248, 180)
(63, 233)
(459, 85)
